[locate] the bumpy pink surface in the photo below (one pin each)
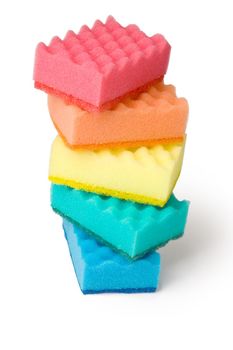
(100, 64)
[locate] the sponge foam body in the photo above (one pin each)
(100, 64)
(155, 116)
(99, 269)
(130, 228)
(144, 175)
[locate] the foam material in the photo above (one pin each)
(133, 229)
(100, 64)
(99, 269)
(155, 116)
(144, 175)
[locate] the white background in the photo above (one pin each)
(41, 306)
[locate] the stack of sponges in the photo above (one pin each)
(118, 155)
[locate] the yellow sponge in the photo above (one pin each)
(144, 175)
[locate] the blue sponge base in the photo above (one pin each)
(100, 270)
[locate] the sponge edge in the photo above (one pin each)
(144, 175)
(100, 270)
(158, 116)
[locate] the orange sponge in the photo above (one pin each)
(154, 116)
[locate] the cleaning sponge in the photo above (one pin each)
(99, 269)
(133, 229)
(144, 175)
(157, 116)
(101, 64)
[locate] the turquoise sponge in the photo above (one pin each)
(130, 228)
(100, 270)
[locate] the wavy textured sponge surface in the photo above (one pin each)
(144, 175)
(156, 115)
(99, 269)
(100, 64)
(133, 229)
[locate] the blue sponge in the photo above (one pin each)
(100, 270)
(128, 227)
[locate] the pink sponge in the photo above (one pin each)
(101, 64)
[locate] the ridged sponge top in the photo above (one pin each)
(96, 253)
(100, 64)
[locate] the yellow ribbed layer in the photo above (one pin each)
(144, 175)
